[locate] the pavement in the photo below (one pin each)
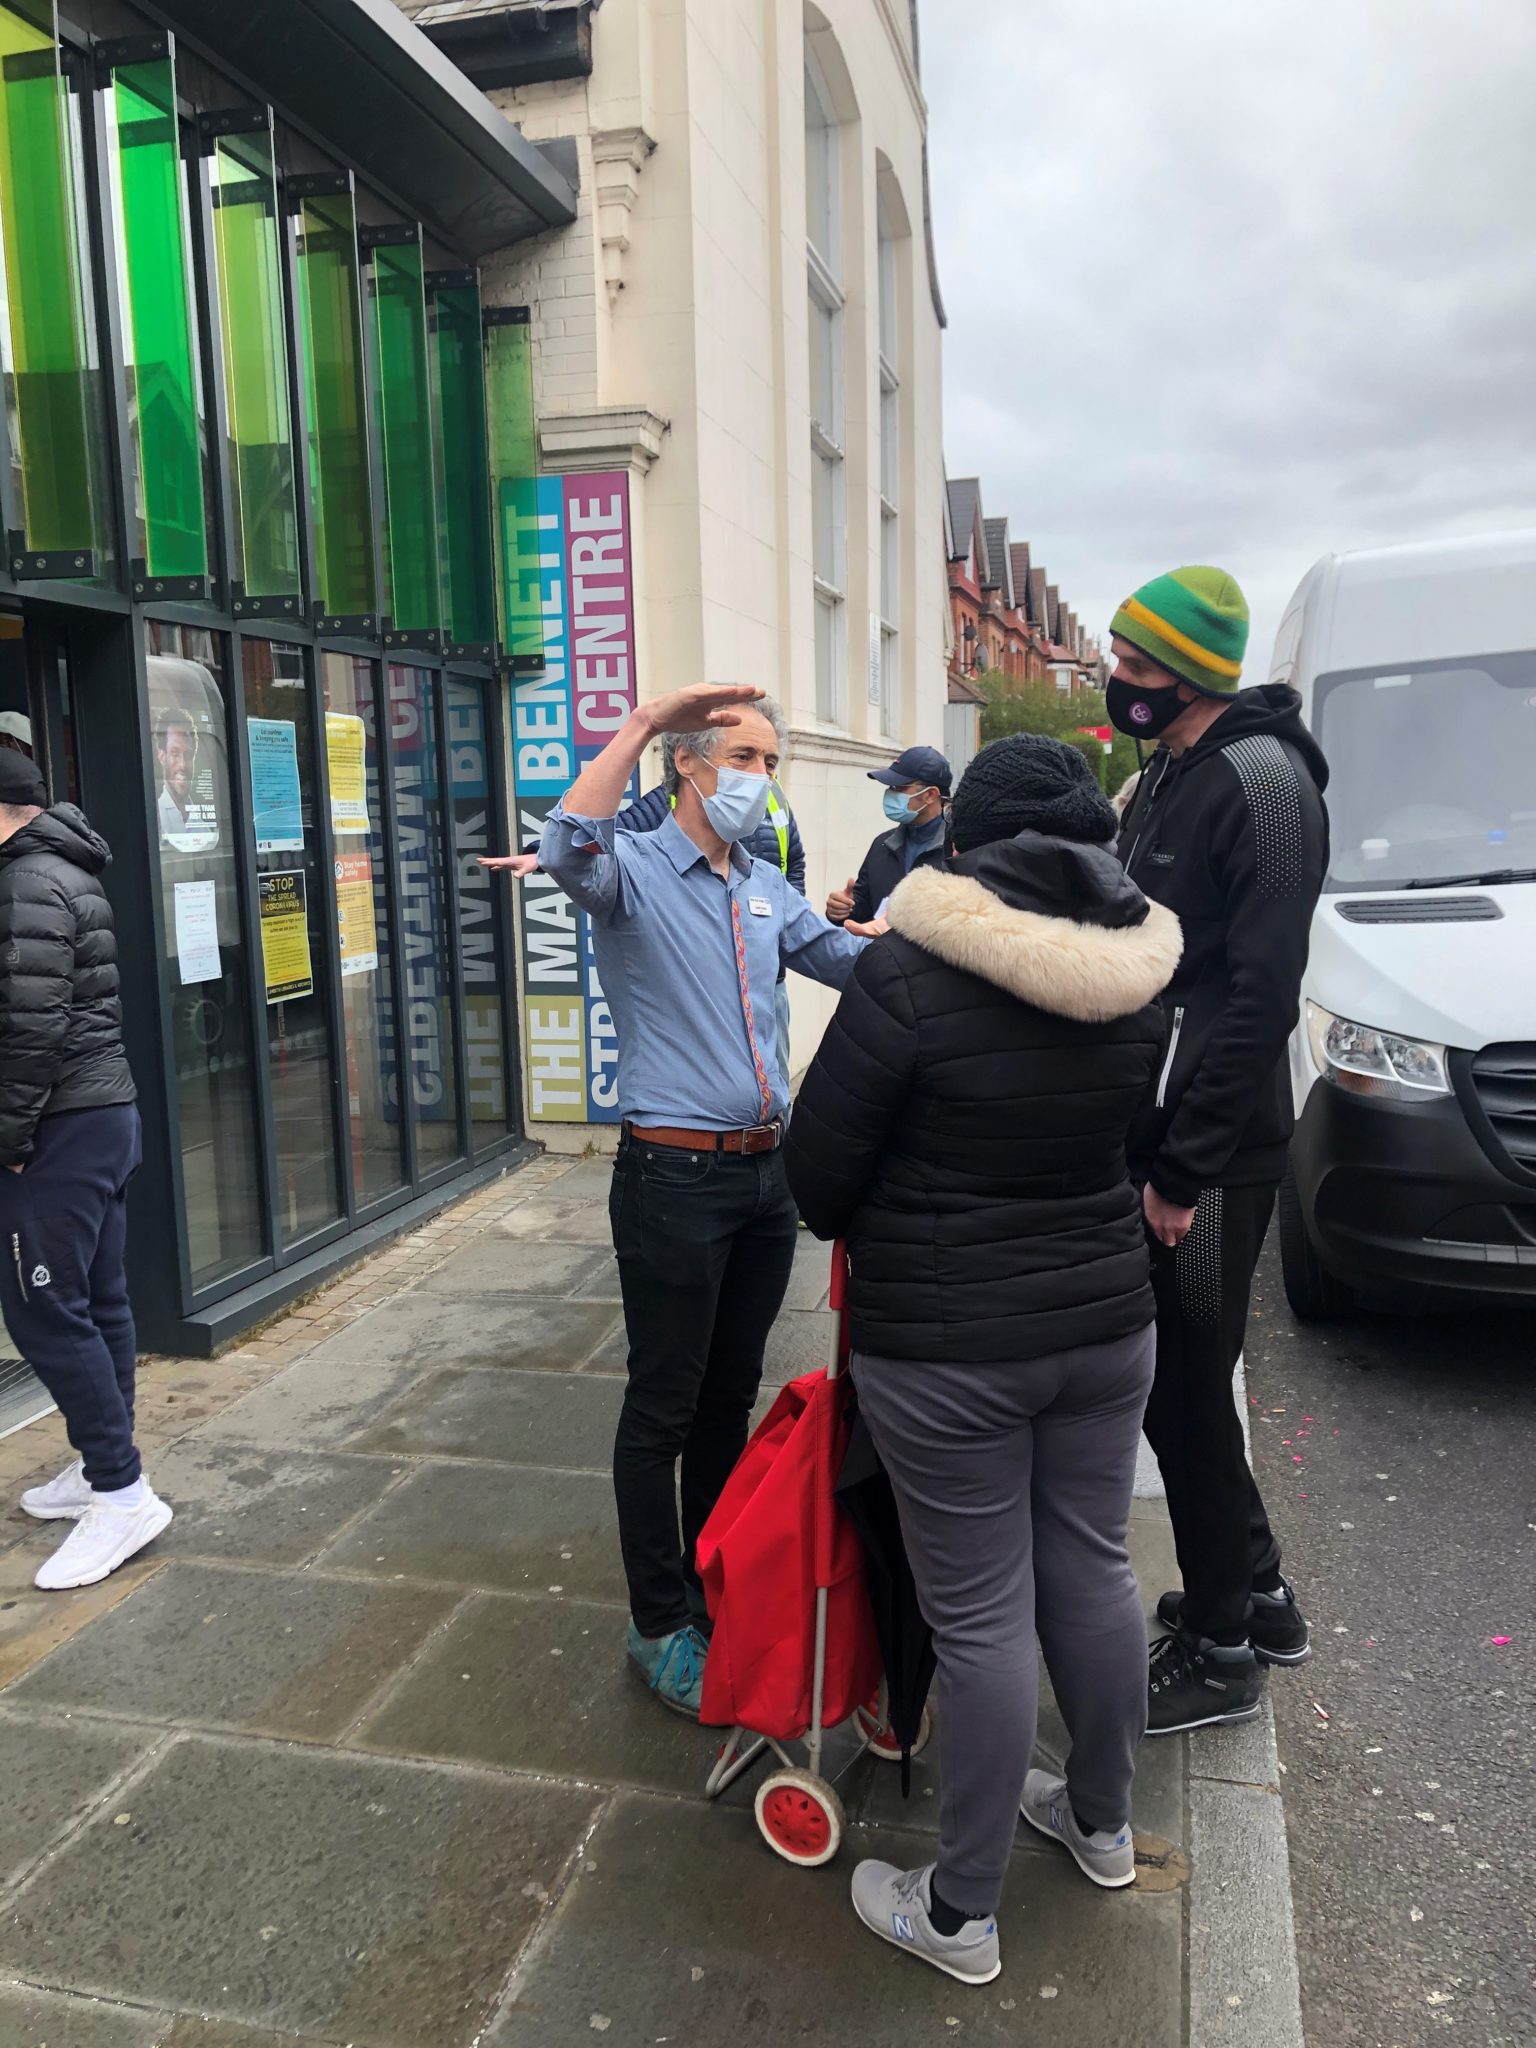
(1410, 1529)
(352, 1754)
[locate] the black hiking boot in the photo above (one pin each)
(1278, 1630)
(1195, 1683)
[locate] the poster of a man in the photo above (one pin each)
(188, 821)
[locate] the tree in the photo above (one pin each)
(1041, 707)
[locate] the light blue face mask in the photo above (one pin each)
(739, 803)
(897, 807)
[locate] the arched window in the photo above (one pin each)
(823, 256)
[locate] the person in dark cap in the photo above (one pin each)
(916, 785)
(69, 1145)
(963, 1126)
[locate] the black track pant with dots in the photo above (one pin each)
(1225, 1544)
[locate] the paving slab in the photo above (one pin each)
(563, 1219)
(261, 1504)
(53, 1772)
(293, 1654)
(426, 1329)
(811, 1276)
(316, 1404)
(587, 1180)
(798, 1342)
(520, 1418)
(541, 1686)
(46, 2019)
(499, 1527)
(213, 1899)
(51, 2019)
(612, 1355)
(682, 1925)
(33, 1623)
(494, 1265)
(602, 1284)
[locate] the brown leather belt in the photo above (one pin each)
(759, 1138)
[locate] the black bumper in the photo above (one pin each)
(1404, 1196)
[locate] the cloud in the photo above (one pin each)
(1236, 281)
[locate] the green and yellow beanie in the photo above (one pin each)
(1193, 621)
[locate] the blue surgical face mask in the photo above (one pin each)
(897, 806)
(739, 803)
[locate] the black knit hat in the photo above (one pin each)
(1027, 782)
(20, 781)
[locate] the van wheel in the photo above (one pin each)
(1315, 1296)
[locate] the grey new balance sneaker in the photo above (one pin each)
(1107, 1857)
(894, 1904)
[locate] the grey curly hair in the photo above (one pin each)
(704, 743)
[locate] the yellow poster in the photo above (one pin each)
(285, 935)
(346, 754)
(354, 914)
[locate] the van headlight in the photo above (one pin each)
(1379, 1063)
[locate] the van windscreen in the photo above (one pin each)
(1432, 770)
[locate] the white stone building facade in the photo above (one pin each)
(746, 317)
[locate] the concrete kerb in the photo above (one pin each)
(1244, 1986)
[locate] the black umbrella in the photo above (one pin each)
(906, 1641)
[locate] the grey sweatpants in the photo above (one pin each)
(1014, 1487)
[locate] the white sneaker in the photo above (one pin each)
(894, 1904)
(102, 1539)
(1108, 1856)
(64, 1499)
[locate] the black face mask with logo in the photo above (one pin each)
(1142, 713)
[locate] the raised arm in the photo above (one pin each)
(599, 789)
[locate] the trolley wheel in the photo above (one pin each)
(801, 1818)
(883, 1744)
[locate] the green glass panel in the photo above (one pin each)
(514, 469)
(154, 231)
(464, 513)
(248, 252)
(335, 401)
(43, 301)
(403, 394)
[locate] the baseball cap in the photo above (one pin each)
(925, 765)
(15, 725)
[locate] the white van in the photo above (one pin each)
(1413, 1169)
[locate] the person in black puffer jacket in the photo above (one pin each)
(69, 1145)
(963, 1126)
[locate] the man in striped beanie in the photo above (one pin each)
(1227, 829)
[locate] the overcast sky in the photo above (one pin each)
(1235, 281)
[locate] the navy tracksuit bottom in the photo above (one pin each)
(63, 1223)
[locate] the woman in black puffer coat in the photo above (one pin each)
(963, 1126)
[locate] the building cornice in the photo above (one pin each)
(818, 743)
(602, 437)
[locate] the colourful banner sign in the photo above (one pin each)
(573, 557)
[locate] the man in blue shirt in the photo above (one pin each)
(690, 932)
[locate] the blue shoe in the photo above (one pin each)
(672, 1666)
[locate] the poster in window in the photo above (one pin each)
(346, 758)
(197, 933)
(355, 927)
(277, 808)
(186, 730)
(285, 935)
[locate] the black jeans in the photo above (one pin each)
(1225, 1543)
(705, 1244)
(64, 1219)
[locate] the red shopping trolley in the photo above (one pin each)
(795, 1650)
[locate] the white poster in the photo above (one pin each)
(197, 933)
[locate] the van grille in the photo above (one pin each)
(1430, 910)
(1504, 1081)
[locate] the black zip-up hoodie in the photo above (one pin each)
(1231, 836)
(61, 1019)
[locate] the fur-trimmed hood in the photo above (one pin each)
(1090, 971)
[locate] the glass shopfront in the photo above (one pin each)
(248, 620)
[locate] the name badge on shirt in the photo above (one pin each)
(759, 906)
